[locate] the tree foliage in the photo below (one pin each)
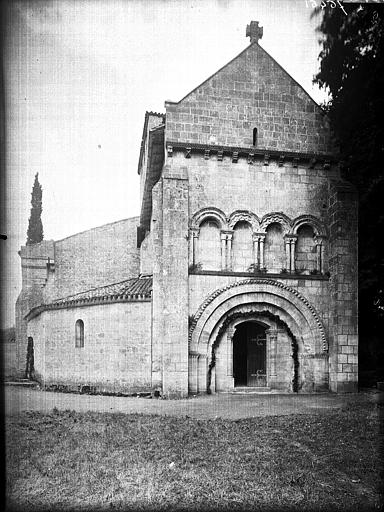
(352, 70)
(35, 226)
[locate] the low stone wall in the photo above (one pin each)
(116, 355)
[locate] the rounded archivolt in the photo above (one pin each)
(310, 220)
(276, 217)
(244, 216)
(277, 291)
(209, 213)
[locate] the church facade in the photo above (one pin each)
(239, 273)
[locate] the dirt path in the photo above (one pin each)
(225, 405)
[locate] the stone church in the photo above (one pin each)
(241, 270)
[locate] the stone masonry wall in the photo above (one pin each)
(251, 91)
(146, 255)
(93, 258)
(97, 257)
(158, 291)
(258, 188)
(343, 287)
(117, 347)
(174, 281)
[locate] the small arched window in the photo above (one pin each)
(254, 136)
(79, 334)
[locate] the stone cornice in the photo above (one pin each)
(252, 154)
(99, 301)
(264, 275)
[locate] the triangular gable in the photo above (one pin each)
(251, 91)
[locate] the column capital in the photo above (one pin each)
(290, 239)
(195, 231)
(230, 332)
(258, 237)
(319, 239)
(227, 233)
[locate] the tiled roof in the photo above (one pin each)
(138, 288)
(135, 288)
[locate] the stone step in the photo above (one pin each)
(251, 389)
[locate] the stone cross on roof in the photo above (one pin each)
(254, 32)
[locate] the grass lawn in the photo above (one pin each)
(80, 461)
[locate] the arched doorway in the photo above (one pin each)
(296, 344)
(250, 355)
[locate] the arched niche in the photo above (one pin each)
(315, 223)
(274, 248)
(209, 213)
(276, 217)
(244, 216)
(305, 249)
(242, 246)
(209, 245)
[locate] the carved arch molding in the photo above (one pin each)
(290, 226)
(281, 300)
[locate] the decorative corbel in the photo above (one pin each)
(170, 151)
(250, 158)
(235, 157)
(312, 163)
(266, 159)
(281, 160)
(188, 152)
(220, 155)
(206, 154)
(295, 163)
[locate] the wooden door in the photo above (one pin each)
(256, 360)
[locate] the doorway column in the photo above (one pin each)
(230, 334)
(271, 352)
(202, 372)
(193, 373)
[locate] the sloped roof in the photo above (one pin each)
(130, 289)
(269, 56)
(134, 289)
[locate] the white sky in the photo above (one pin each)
(79, 76)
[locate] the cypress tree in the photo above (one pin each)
(35, 226)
